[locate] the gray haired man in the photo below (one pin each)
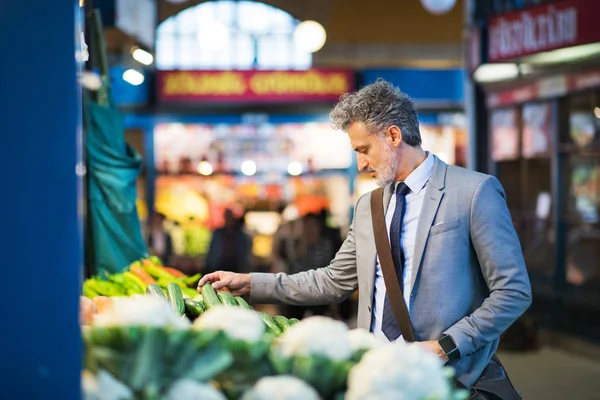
(463, 276)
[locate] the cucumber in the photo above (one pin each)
(210, 297)
(176, 298)
(188, 292)
(154, 290)
(293, 321)
(227, 299)
(193, 309)
(282, 322)
(242, 303)
(198, 298)
(271, 325)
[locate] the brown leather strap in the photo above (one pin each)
(392, 286)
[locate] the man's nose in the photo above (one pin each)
(361, 162)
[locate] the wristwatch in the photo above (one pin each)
(449, 347)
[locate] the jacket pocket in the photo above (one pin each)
(442, 227)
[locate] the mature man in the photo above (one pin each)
(462, 272)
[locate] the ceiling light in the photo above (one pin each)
(565, 55)
(310, 36)
(597, 112)
(142, 56)
(487, 73)
(133, 77)
(205, 168)
(248, 168)
(294, 168)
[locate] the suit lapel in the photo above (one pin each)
(433, 197)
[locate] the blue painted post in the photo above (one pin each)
(40, 244)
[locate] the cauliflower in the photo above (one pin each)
(316, 336)
(281, 388)
(398, 371)
(361, 339)
(236, 322)
(140, 311)
(188, 389)
(103, 386)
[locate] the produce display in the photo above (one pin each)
(137, 277)
(162, 345)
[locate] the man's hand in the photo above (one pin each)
(433, 347)
(238, 284)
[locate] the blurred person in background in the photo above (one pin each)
(159, 240)
(457, 257)
(230, 247)
(311, 249)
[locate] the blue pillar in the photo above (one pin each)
(40, 244)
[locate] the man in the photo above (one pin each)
(463, 276)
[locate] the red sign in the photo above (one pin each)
(253, 86)
(545, 88)
(554, 26)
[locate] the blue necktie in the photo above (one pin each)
(389, 326)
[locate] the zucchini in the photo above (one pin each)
(210, 296)
(154, 290)
(242, 303)
(193, 309)
(271, 325)
(293, 321)
(227, 299)
(282, 322)
(176, 298)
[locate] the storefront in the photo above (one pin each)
(543, 118)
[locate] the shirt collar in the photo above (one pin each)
(417, 179)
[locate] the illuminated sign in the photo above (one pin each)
(252, 86)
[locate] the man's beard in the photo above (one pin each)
(386, 173)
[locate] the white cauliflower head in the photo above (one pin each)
(104, 386)
(316, 336)
(237, 323)
(283, 387)
(398, 371)
(361, 339)
(141, 311)
(188, 389)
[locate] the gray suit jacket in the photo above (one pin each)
(469, 278)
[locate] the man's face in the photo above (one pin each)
(374, 154)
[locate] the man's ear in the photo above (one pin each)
(395, 135)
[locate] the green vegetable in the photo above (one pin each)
(193, 309)
(105, 288)
(271, 325)
(176, 298)
(189, 292)
(88, 291)
(242, 303)
(159, 273)
(155, 260)
(210, 297)
(132, 280)
(198, 298)
(227, 299)
(162, 282)
(282, 322)
(154, 290)
(293, 321)
(191, 281)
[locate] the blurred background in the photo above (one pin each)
(224, 144)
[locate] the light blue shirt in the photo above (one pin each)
(416, 181)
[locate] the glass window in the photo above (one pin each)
(229, 35)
